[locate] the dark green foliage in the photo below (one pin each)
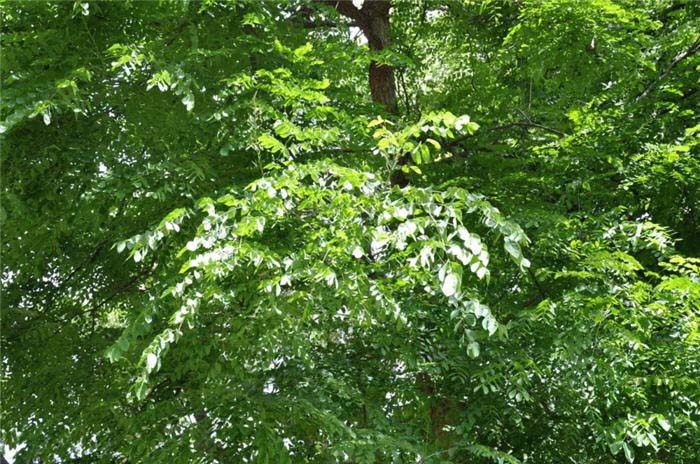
(206, 256)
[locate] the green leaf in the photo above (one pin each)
(665, 424)
(450, 285)
(513, 249)
(629, 452)
(141, 388)
(188, 101)
(616, 446)
(473, 350)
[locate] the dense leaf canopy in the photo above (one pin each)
(320, 231)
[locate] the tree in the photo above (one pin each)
(208, 254)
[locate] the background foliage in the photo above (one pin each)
(217, 248)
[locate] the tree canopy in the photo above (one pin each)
(363, 232)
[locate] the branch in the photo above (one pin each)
(326, 23)
(376, 7)
(126, 286)
(543, 292)
(80, 267)
(681, 99)
(344, 7)
(663, 17)
(176, 33)
(454, 142)
(363, 17)
(304, 17)
(98, 250)
(680, 57)
(529, 124)
(546, 409)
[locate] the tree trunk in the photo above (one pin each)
(373, 20)
(381, 82)
(381, 76)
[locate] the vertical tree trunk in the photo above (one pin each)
(381, 76)
(373, 20)
(381, 82)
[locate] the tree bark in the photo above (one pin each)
(373, 21)
(381, 76)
